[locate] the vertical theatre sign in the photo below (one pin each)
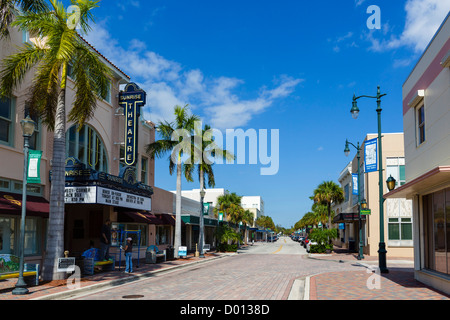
(132, 98)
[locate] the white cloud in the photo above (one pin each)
(423, 18)
(167, 84)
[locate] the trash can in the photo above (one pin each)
(150, 255)
(170, 252)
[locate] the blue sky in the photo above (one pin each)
(256, 64)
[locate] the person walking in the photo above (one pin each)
(128, 256)
(105, 240)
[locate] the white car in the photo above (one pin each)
(308, 245)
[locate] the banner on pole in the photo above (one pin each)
(370, 155)
(355, 183)
(34, 166)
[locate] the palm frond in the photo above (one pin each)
(15, 67)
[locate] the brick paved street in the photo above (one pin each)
(261, 272)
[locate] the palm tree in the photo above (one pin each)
(225, 202)
(247, 220)
(204, 165)
(10, 9)
(56, 47)
(326, 193)
(168, 143)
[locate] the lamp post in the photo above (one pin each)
(201, 231)
(347, 152)
(355, 111)
(28, 127)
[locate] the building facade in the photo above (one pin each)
(426, 118)
(100, 182)
(398, 220)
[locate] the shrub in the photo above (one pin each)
(323, 236)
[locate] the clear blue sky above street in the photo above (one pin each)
(256, 64)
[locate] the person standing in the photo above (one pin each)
(128, 256)
(105, 240)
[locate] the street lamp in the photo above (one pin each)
(347, 152)
(390, 182)
(355, 112)
(28, 127)
(201, 231)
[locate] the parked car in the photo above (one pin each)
(301, 239)
(305, 241)
(309, 244)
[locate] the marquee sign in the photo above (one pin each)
(132, 98)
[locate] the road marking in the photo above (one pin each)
(278, 250)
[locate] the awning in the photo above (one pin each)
(11, 203)
(139, 216)
(348, 217)
(168, 219)
(437, 176)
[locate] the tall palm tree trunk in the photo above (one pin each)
(55, 236)
(177, 243)
(201, 233)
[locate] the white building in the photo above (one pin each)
(426, 118)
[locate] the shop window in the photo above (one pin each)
(162, 235)
(86, 145)
(436, 208)
(32, 236)
(7, 228)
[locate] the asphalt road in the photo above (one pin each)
(264, 271)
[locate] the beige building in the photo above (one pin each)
(398, 222)
(99, 184)
(426, 119)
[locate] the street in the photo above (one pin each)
(265, 271)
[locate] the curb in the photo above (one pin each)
(114, 283)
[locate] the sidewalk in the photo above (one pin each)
(59, 290)
(398, 284)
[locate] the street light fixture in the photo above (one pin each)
(28, 128)
(347, 152)
(201, 226)
(390, 182)
(355, 112)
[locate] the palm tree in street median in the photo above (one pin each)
(203, 155)
(171, 134)
(327, 193)
(57, 45)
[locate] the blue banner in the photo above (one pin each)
(355, 183)
(370, 155)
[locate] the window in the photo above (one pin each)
(395, 167)
(399, 215)
(86, 145)
(7, 235)
(144, 173)
(107, 97)
(421, 125)
(346, 192)
(162, 235)
(6, 121)
(400, 229)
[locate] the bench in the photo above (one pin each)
(157, 254)
(92, 260)
(9, 268)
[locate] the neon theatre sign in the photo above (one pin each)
(132, 98)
